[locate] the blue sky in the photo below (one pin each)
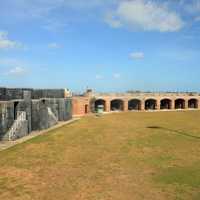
(106, 45)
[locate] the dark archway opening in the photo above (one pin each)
(134, 104)
(117, 105)
(179, 104)
(165, 104)
(193, 103)
(16, 103)
(86, 108)
(100, 103)
(150, 104)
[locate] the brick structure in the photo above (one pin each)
(136, 101)
(80, 105)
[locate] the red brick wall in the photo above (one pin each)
(80, 106)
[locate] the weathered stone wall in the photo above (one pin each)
(40, 113)
(8, 113)
(6, 117)
(21, 132)
(61, 108)
(48, 93)
(3, 94)
(64, 109)
(40, 116)
(7, 94)
(28, 108)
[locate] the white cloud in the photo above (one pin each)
(99, 77)
(112, 21)
(136, 55)
(144, 15)
(17, 71)
(10, 62)
(40, 8)
(54, 45)
(54, 25)
(116, 75)
(6, 43)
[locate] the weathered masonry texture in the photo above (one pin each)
(25, 110)
(136, 101)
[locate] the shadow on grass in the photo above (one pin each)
(174, 131)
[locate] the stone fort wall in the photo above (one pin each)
(42, 108)
(18, 93)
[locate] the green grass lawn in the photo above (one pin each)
(124, 156)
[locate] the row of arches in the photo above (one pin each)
(149, 104)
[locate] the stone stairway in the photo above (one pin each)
(17, 125)
(50, 112)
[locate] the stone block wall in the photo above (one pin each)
(40, 116)
(48, 93)
(43, 107)
(6, 117)
(7, 94)
(21, 132)
(64, 109)
(61, 108)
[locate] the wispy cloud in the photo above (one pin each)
(54, 45)
(17, 71)
(116, 75)
(136, 55)
(41, 8)
(112, 20)
(99, 77)
(13, 67)
(6, 43)
(144, 15)
(54, 25)
(10, 62)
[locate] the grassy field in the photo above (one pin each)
(125, 156)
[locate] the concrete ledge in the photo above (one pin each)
(7, 144)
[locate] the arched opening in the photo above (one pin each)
(16, 103)
(179, 104)
(134, 104)
(117, 105)
(165, 104)
(193, 103)
(150, 104)
(100, 104)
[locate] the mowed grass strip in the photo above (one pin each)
(124, 156)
